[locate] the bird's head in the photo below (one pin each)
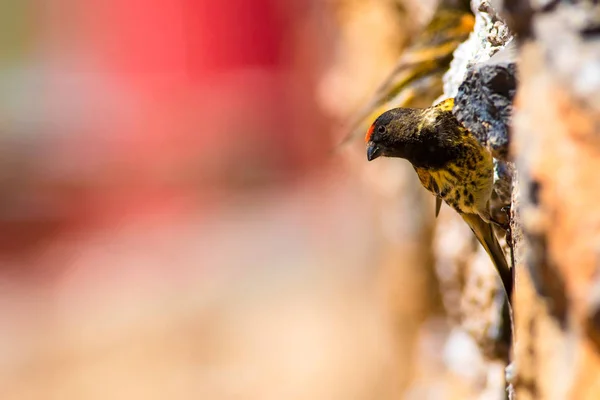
(427, 137)
(393, 134)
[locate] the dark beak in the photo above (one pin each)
(373, 151)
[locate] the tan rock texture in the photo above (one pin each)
(556, 149)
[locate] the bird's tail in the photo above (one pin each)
(486, 236)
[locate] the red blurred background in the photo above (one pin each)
(174, 219)
(158, 108)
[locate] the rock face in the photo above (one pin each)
(551, 135)
(484, 101)
(556, 151)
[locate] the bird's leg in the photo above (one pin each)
(503, 221)
(487, 217)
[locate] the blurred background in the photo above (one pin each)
(176, 220)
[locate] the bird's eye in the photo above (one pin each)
(381, 129)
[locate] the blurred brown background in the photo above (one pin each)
(175, 222)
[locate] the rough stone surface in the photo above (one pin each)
(490, 35)
(484, 103)
(556, 149)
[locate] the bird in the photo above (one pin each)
(450, 163)
(417, 78)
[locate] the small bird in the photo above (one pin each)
(450, 163)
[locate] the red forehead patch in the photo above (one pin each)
(369, 133)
